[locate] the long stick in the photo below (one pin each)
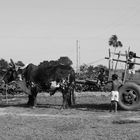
(6, 95)
(109, 59)
(117, 61)
(126, 66)
(109, 64)
(124, 61)
(124, 55)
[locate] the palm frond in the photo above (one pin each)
(112, 41)
(120, 44)
(114, 37)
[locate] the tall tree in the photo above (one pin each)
(54, 69)
(65, 60)
(20, 63)
(3, 66)
(113, 41)
(90, 72)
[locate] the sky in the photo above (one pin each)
(36, 30)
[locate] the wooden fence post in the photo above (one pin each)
(6, 95)
(117, 61)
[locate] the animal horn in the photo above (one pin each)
(4, 70)
(12, 62)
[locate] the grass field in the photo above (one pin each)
(89, 119)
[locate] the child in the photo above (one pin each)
(116, 83)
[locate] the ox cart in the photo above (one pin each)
(129, 92)
(87, 85)
(91, 85)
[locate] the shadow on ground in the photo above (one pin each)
(91, 103)
(94, 107)
(83, 107)
(24, 105)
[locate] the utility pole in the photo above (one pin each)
(77, 55)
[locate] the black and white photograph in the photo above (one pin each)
(69, 70)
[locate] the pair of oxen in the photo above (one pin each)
(36, 79)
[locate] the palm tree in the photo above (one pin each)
(113, 41)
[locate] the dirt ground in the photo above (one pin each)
(89, 119)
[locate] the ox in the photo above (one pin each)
(37, 79)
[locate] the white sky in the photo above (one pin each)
(37, 30)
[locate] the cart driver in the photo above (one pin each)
(131, 63)
(101, 76)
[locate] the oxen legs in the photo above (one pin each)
(30, 98)
(72, 97)
(68, 99)
(32, 101)
(65, 102)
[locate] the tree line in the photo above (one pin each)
(4, 64)
(91, 72)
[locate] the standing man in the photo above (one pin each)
(131, 64)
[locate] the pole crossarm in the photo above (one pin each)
(122, 61)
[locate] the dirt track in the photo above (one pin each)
(88, 120)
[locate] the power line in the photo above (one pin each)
(77, 55)
(96, 61)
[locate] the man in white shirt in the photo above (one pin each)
(131, 64)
